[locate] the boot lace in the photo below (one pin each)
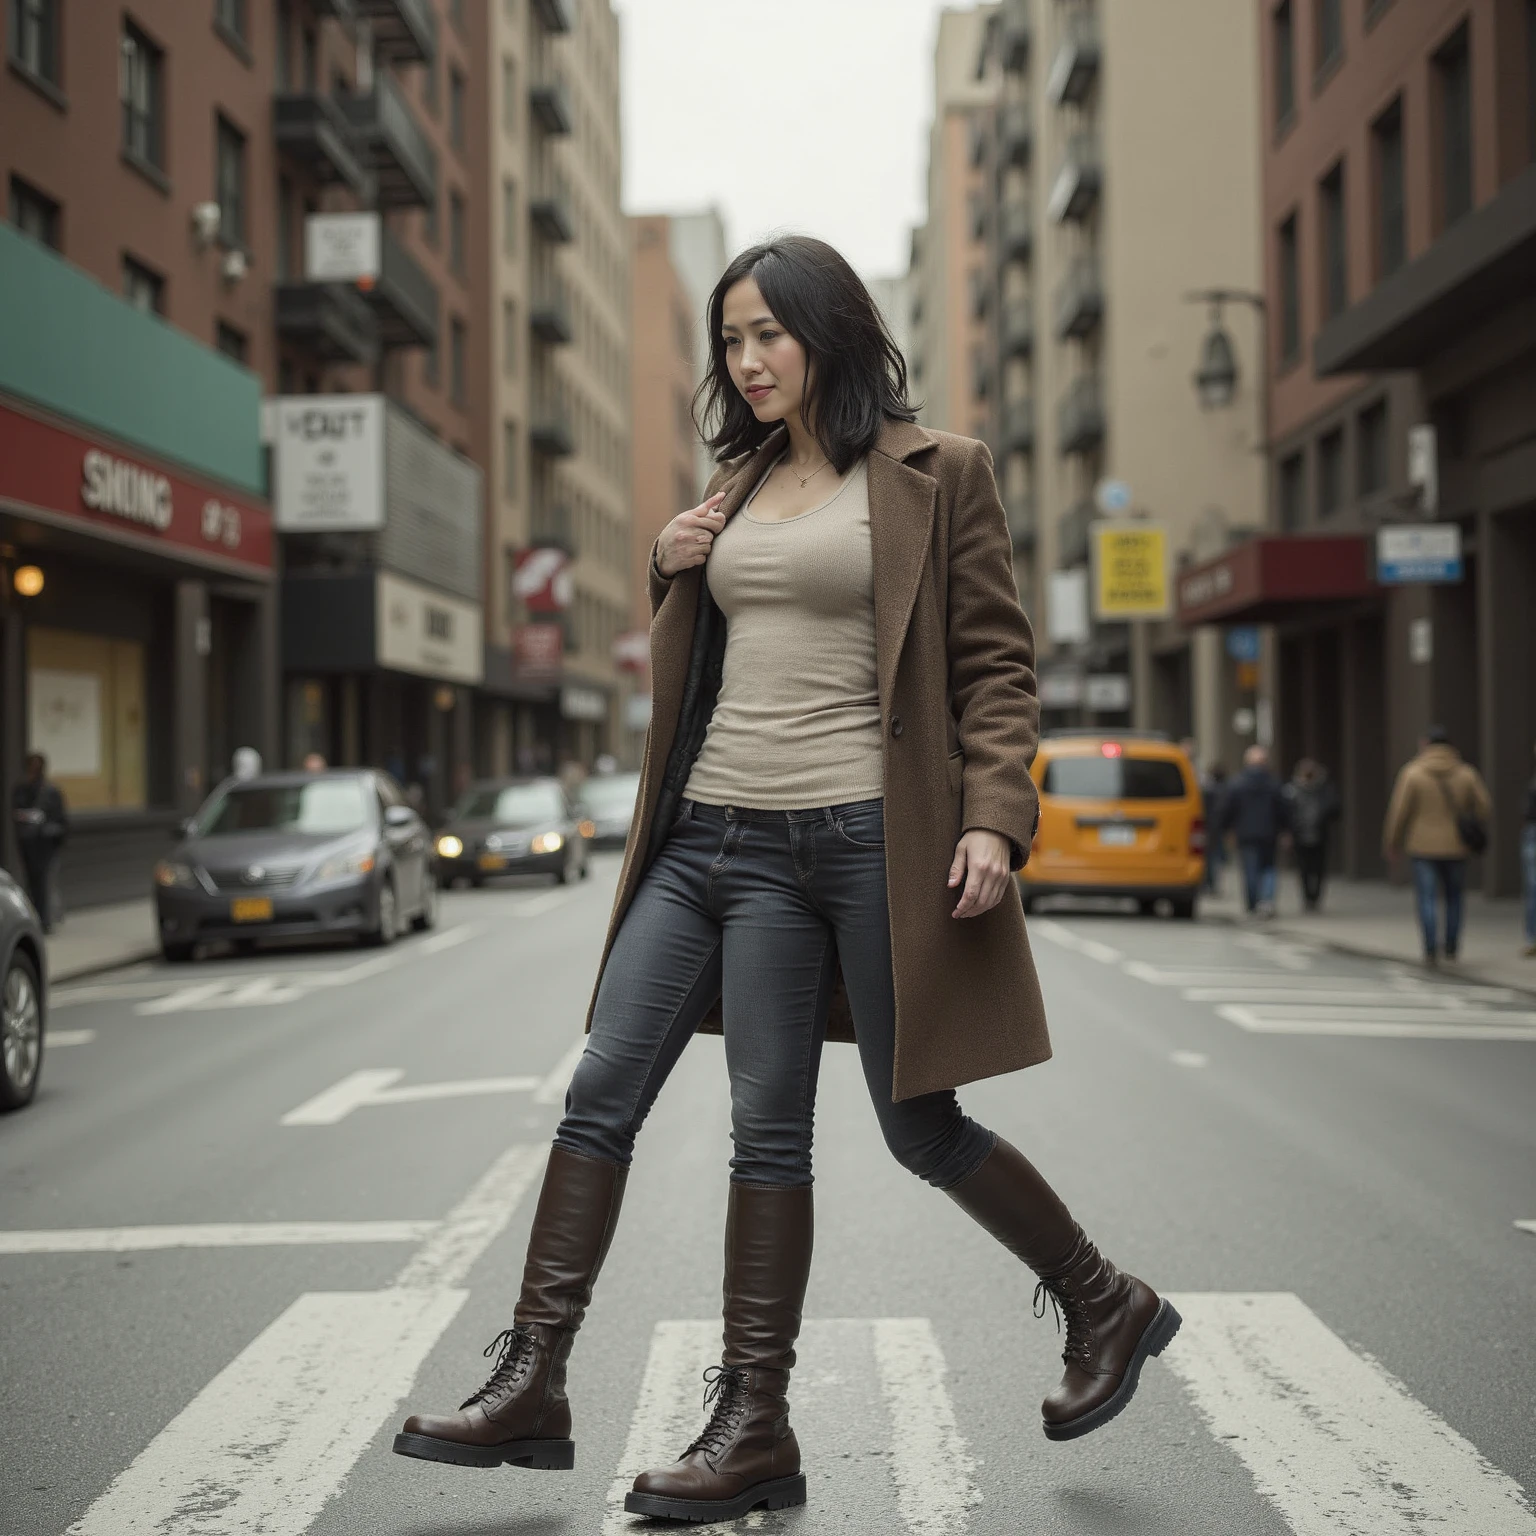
(514, 1348)
(728, 1387)
(1066, 1303)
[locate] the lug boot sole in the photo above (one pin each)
(780, 1493)
(543, 1455)
(1156, 1338)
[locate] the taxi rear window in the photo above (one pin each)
(1114, 778)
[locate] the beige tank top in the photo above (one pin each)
(798, 719)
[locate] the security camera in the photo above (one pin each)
(234, 266)
(205, 220)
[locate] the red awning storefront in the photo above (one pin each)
(1275, 577)
(68, 478)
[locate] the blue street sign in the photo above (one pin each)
(1243, 642)
(1424, 553)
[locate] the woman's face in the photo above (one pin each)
(766, 363)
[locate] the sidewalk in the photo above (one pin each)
(1370, 917)
(99, 938)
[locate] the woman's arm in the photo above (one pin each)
(991, 664)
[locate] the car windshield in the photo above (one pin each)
(513, 805)
(611, 795)
(323, 807)
(1114, 778)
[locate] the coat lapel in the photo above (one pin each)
(902, 501)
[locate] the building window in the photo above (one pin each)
(1453, 90)
(1328, 19)
(458, 362)
(284, 262)
(34, 213)
(1293, 493)
(230, 186)
(1330, 207)
(144, 289)
(282, 43)
(1330, 472)
(509, 101)
(429, 233)
(229, 18)
(431, 89)
(1290, 292)
(309, 58)
(509, 338)
(1391, 197)
(456, 236)
(431, 365)
(457, 108)
(230, 342)
(141, 84)
(35, 38)
(1371, 448)
(509, 217)
(1283, 38)
(509, 460)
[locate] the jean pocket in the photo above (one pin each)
(862, 825)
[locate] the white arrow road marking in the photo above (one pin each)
(254, 1234)
(1333, 1441)
(1527, 1226)
(1059, 933)
(1189, 1059)
(57, 1037)
(450, 938)
(929, 1467)
(200, 995)
(260, 1450)
(370, 1087)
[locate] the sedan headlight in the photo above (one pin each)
(345, 866)
(176, 876)
(547, 842)
(449, 846)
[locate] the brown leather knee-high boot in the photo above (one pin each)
(1114, 1321)
(521, 1415)
(747, 1455)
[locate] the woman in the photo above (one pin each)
(855, 662)
(1313, 808)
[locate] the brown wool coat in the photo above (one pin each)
(955, 663)
(1432, 789)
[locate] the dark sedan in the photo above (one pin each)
(23, 996)
(608, 801)
(290, 854)
(513, 827)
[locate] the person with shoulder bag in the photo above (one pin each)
(1438, 816)
(834, 800)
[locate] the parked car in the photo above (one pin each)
(608, 802)
(513, 827)
(1120, 815)
(23, 996)
(289, 854)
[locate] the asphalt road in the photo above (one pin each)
(262, 1203)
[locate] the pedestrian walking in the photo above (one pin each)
(42, 825)
(1312, 807)
(1213, 788)
(1528, 864)
(834, 797)
(1438, 816)
(1254, 810)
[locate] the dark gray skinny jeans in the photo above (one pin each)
(762, 904)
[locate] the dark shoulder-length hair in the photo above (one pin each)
(856, 377)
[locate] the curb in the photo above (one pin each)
(100, 967)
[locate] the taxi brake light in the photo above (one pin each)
(1111, 749)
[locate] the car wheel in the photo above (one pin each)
(21, 1033)
(1146, 906)
(176, 954)
(1185, 908)
(388, 916)
(427, 917)
(477, 881)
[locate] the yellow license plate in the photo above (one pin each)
(492, 861)
(251, 909)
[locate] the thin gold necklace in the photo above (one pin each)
(808, 478)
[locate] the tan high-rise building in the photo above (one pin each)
(1146, 138)
(554, 430)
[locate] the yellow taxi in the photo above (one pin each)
(1121, 814)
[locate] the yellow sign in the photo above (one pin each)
(1130, 572)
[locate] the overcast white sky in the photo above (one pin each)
(804, 115)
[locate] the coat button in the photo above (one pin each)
(895, 725)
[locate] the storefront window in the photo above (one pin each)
(86, 715)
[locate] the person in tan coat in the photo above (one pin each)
(1436, 796)
(834, 798)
